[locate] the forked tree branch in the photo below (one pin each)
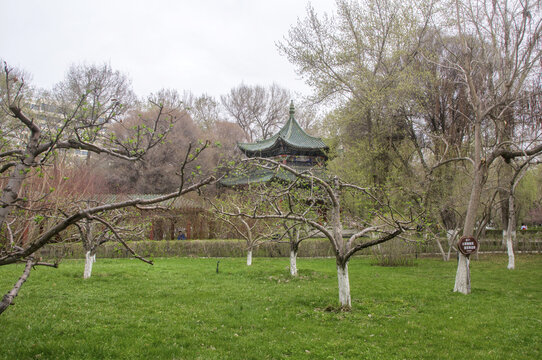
(119, 239)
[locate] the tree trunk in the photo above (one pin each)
(344, 285)
(511, 233)
(90, 258)
(450, 236)
(249, 257)
(293, 235)
(293, 262)
(441, 249)
(450, 247)
(16, 179)
(451, 239)
(511, 257)
(462, 277)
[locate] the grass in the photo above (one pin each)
(180, 308)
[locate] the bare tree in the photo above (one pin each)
(296, 233)
(312, 200)
(519, 169)
(204, 109)
(169, 99)
(94, 231)
(157, 172)
(75, 132)
(256, 109)
(499, 57)
(255, 232)
(93, 94)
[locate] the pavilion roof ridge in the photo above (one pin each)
(291, 133)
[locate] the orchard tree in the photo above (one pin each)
(520, 168)
(29, 146)
(295, 233)
(255, 232)
(498, 59)
(96, 230)
(321, 208)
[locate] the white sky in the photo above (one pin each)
(205, 46)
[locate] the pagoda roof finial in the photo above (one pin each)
(291, 139)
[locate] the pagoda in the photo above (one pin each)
(291, 145)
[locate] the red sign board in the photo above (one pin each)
(467, 245)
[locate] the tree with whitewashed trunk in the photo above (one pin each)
(293, 234)
(95, 231)
(449, 224)
(319, 205)
(499, 63)
(296, 233)
(29, 145)
(253, 232)
(519, 170)
(257, 232)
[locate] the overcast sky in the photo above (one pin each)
(205, 46)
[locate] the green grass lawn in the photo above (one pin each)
(180, 308)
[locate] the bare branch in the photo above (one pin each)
(119, 239)
(7, 166)
(10, 296)
(373, 242)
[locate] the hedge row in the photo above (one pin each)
(237, 248)
(196, 248)
(529, 233)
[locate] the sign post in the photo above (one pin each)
(467, 245)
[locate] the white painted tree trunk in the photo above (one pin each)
(249, 257)
(511, 230)
(293, 262)
(504, 236)
(89, 260)
(441, 249)
(462, 277)
(344, 286)
(450, 236)
(511, 257)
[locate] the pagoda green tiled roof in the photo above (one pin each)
(290, 136)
